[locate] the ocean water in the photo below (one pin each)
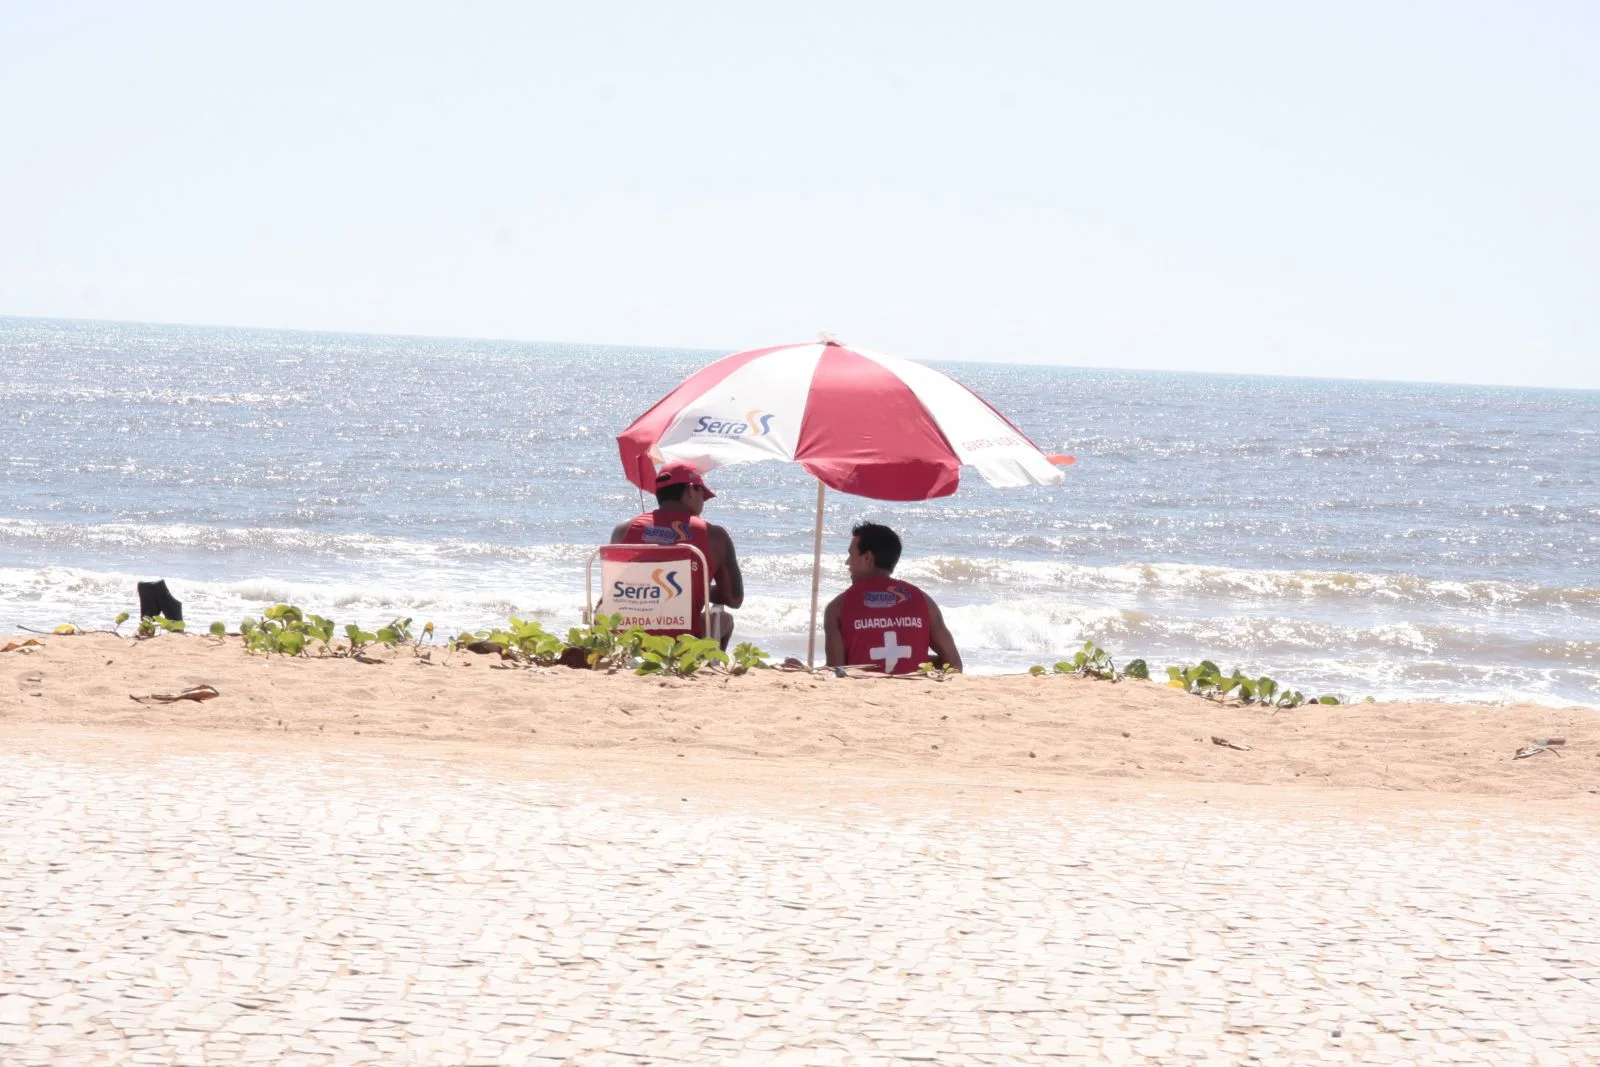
(1398, 540)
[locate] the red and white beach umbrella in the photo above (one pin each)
(861, 422)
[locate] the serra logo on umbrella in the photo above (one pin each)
(756, 422)
(858, 421)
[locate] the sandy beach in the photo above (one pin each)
(1054, 728)
(443, 862)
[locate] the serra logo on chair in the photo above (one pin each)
(756, 423)
(891, 597)
(663, 586)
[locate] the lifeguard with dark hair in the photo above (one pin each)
(881, 622)
(681, 495)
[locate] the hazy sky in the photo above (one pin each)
(1396, 190)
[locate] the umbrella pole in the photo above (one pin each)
(816, 579)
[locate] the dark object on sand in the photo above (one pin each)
(196, 693)
(156, 599)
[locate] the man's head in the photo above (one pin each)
(874, 549)
(680, 483)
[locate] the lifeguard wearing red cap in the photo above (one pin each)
(676, 520)
(679, 472)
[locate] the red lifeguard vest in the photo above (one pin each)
(664, 527)
(886, 625)
(672, 527)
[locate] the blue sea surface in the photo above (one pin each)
(1399, 540)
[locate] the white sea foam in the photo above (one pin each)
(990, 577)
(1388, 660)
(48, 597)
(1000, 577)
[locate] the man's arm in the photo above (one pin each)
(728, 588)
(620, 532)
(832, 636)
(940, 643)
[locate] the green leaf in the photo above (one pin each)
(1036, 670)
(748, 656)
(218, 630)
(122, 618)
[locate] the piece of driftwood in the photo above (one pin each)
(196, 693)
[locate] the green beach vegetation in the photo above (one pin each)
(605, 644)
(1206, 679)
(1202, 679)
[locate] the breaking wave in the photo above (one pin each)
(1158, 580)
(1404, 659)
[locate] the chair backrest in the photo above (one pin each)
(664, 589)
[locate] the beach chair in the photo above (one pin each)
(664, 589)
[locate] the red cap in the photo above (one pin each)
(681, 473)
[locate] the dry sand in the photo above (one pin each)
(1012, 730)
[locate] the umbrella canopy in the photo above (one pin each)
(864, 423)
(861, 422)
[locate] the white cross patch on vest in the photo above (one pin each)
(890, 652)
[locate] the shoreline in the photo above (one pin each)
(778, 650)
(1048, 732)
(1355, 634)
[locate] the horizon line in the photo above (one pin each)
(720, 352)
